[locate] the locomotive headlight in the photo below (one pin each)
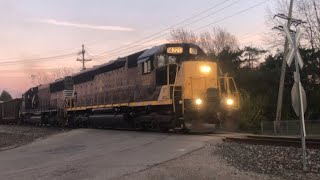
(229, 102)
(198, 101)
(205, 69)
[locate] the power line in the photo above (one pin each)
(247, 36)
(116, 51)
(239, 12)
(26, 61)
(198, 20)
(91, 55)
(166, 29)
(220, 20)
(241, 44)
(33, 56)
(147, 46)
(88, 51)
(49, 57)
(43, 59)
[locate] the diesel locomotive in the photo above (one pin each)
(170, 86)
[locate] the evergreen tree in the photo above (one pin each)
(228, 60)
(251, 55)
(5, 96)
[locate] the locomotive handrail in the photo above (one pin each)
(226, 85)
(174, 85)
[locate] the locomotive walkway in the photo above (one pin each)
(108, 154)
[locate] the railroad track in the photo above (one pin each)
(275, 140)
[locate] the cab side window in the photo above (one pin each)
(147, 67)
(161, 61)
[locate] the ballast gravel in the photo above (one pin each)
(13, 135)
(284, 162)
(202, 164)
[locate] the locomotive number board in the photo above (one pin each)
(174, 50)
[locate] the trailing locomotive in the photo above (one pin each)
(166, 87)
(45, 104)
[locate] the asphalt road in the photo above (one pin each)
(95, 154)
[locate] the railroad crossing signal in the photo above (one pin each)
(297, 91)
(299, 102)
(294, 42)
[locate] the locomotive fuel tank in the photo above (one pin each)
(35, 119)
(108, 120)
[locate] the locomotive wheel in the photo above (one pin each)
(72, 122)
(45, 120)
(164, 129)
(53, 121)
(19, 121)
(136, 125)
(144, 127)
(79, 122)
(155, 125)
(90, 124)
(85, 124)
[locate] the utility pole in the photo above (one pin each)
(250, 56)
(83, 60)
(283, 69)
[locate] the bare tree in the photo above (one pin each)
(309, 12)
(183, 36)
(213, 42)
(45, 77)
(218, 39)
(273, 38)
(306, 10)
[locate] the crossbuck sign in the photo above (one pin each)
(294, 42)
(298, 94)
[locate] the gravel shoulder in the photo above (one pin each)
(12, 136)
(203, 164)
(283, 162)
(236, 161)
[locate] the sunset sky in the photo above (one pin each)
(32, 30)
